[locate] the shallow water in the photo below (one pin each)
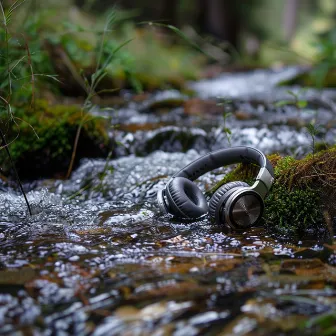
(98, 258)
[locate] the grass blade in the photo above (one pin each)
(15, 171)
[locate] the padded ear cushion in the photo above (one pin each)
(185, 198)
(220, 192)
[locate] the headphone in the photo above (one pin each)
(236, 203)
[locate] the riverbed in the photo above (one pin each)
(97, 257)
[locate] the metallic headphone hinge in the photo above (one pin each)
(266, 178)
(260, 188)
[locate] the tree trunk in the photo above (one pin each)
(169, 12)
(290, 19)
(221, 19)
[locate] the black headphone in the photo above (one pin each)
(235, 203)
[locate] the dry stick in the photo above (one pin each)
(319, 174)
(73, 155)
(15, 171)
(79, 129)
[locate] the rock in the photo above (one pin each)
(41, 141)
(170, 139)
(197, 106)
(241, 115)
(164, 100)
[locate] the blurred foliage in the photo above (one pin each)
(148, 62)
(54, 46)
(324, 72)
(64, 41)
(55, 40)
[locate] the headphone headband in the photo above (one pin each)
(223, 157)
(235, 203)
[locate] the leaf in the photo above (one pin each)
(107, 91)
(17, 62)
(180, 34)
(302, 103)
(53, 77)
(227, 114)
(292, 94)
(12, 8)
(312, 129)
(283, 103)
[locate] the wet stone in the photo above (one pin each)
(165, 99)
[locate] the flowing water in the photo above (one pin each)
(97, 257)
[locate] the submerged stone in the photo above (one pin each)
(164, 100)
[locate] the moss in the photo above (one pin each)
(56, 128)
(295, 204)
(243, 172)
(299, 201)
(321, 146)
(293, 212)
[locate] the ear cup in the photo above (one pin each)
(220, 192)
(185, 198)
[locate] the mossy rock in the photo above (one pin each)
(42, 138)
(299, 201)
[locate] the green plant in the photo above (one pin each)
(297, 102)
(325, 58)
(8, 75)
(323, 61)
(91, 86)
(172, 65)
(226, 114)
(300, 104)
(323, 324)
(313, 131)
(18, 81)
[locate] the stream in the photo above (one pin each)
(97, 257)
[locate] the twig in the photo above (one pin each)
(74, 151)
(319, 174)
(15, 171)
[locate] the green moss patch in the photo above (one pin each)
(41, 139)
